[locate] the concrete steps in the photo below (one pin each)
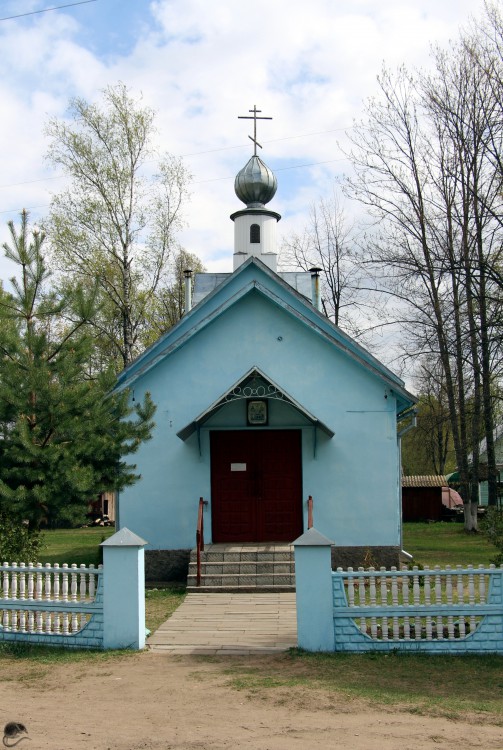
(243, 568)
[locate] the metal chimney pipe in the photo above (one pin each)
(188, 290)
(315, 287)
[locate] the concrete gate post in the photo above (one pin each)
(124, 591)
(313, 580)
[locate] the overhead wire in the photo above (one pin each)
(195, 182)
(202, 153)
(45, 10)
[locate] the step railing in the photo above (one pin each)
(310, 512)
(200, 538)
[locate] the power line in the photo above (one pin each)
(31, 182)
(196, 153)
(273, 140)
(199, 182)
(44, 10)
(279, 169)
(16, 210)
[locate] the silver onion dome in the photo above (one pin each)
(255, 184)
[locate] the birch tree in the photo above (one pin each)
(118, 219)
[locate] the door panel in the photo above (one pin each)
(256, 485)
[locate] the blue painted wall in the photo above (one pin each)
(354, 477)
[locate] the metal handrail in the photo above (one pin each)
(310, 512)
(200, 538)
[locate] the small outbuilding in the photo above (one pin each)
(429, 498)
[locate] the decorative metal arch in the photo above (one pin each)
(254, 384)
(256, 387)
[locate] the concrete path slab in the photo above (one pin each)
(229, 624)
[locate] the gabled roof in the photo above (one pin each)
(204, 283)
(254, 277)
(426, 480)
(253, 384)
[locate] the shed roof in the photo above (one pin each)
(424, 480)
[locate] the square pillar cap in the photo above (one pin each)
(312, 538)
(124, 538)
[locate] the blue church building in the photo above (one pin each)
(262, 402)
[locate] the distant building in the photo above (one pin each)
(428, 498)
(498, 446)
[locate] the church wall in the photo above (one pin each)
(354, 476)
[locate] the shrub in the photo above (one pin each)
(491, 527)
(17, 542)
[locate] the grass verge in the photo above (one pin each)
(38, 660)
(448, 686)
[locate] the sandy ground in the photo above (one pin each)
(155, 700)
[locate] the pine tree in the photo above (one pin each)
(63, 434)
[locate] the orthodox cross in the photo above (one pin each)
(254, 117)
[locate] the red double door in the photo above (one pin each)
(256, 485)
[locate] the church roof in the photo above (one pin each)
(254, 277)
(204, 283)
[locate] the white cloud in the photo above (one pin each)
(200, 64)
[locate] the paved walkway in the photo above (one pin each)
(229, 624)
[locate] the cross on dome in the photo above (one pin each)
(254, 117)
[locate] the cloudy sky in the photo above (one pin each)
(200, 64)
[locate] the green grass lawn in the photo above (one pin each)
(74, 545)
(161, 603)
(446, 543)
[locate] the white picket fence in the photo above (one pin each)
(47, 599)
(429, 604)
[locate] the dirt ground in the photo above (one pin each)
(153, 701)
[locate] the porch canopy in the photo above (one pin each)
(254, 384)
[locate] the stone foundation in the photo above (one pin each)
(365, 557)
(166, 564)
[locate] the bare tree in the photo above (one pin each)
(428, 449)
(414, 172)
(328, 243)
(461, 103)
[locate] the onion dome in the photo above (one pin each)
(255, 184)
